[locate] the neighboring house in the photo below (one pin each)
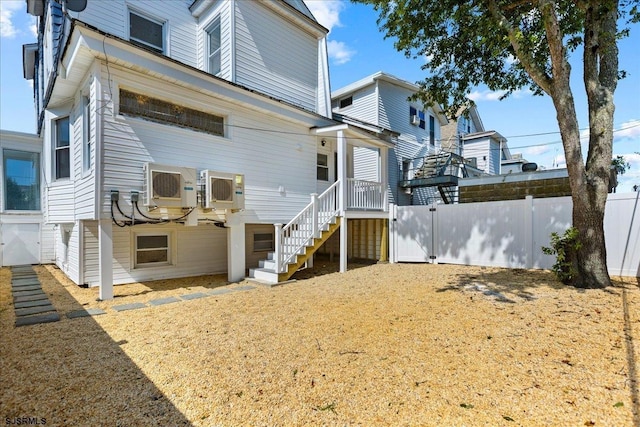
(485, 151)
(23, 237)
(467, 121)
(179, 135)
(383, 100)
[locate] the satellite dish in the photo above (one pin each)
(76, 5)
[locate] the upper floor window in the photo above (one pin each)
(214, 45)
(62, 155)
(345, 102)
(146, 32)
(21, 180)
(432, 130)
(157, 110)
(417, 117)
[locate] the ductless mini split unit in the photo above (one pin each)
(170, 186)
(222, 190)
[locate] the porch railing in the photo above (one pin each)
(365, 195)
(293, 238)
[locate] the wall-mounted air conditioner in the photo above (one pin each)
(222, 190)
(415, 120)
(170, 186)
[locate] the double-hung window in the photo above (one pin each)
(62, 155)
(146, 32)
(322, 170)
(21, 180)
(214, 45)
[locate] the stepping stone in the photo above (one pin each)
(220, 291)
(27, 304)
(33, 320)
(21, 293)
(85, 313)
(25, 298)
(27, 288)
(125, 307)
(25, 281)
(244, 288)
(162, 301)
(25, 275)
(195, 295)
(17, 269)
(34, 310)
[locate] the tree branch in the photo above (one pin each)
(539, 76)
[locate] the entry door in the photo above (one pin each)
(414, 234)
(20, 244)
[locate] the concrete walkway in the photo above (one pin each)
(31, 304)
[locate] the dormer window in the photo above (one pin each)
(146, 32)
(213, 47)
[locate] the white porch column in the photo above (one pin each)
(384, 175)
(105, 259)
(236, 263)
(342, 197)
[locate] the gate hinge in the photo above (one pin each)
(432, 209)
(432, 257)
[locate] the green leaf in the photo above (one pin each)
(466, 405)
(508, 418)
(618, 405)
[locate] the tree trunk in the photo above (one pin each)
(589, 182)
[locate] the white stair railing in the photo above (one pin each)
(294, 237)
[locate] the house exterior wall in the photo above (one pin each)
(274, 56)
(195, 251)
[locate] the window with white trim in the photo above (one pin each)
(86, 134)
(432, 131)
(263, 242)
(62, 150)
(152, 249)
(322, 167)
(214, 45)
(21, 180)
(146, 32)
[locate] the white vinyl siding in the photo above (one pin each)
(179, 26)
(274, 56)
(276, 163)
(198, 250)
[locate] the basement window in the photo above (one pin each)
(159, 111)
(152, 250)
(263, 242)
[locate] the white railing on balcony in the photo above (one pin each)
(365, 195)
(293, 238)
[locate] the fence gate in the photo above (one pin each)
(414, 233)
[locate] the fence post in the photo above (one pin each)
(278, 247)
(527, 217)
(314, 216)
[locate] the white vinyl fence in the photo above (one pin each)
(509, 233)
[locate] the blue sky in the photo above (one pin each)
(358, 49)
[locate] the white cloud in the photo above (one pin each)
(491, 95)
(339, 52)
(628, 130)
(327, 12)
(7, 9)
(537, 150)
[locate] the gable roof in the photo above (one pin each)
(301, 7)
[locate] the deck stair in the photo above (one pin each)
(440, 170)
(299, 239)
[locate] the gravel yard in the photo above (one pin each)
(383, 344)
